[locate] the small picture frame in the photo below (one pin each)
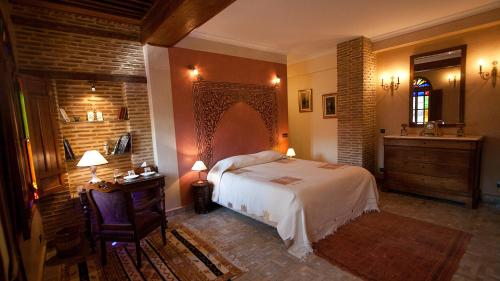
(90, 116)
(329, 106)
(99, 116)
(305, 100)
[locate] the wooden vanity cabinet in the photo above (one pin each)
(445, 168)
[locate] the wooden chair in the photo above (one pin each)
(125, 216)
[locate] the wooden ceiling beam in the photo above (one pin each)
(169, 21)
(76, 10)
(116, 9)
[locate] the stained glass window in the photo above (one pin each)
(420, 100)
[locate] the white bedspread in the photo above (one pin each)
(304, 200)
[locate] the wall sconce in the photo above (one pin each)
(392, 86)
(486, 75)
(452, 81)
(276, 81)
(92, 87)
(195, 73)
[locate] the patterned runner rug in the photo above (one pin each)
(384, 246)
(185, 257)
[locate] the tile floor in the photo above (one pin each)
(258, 247)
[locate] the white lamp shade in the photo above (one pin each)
(91, 158)
(290, 152)
(199, 166)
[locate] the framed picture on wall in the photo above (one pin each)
(329, 106)
(305, 100)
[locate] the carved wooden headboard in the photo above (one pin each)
(256, 117)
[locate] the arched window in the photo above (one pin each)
(422, 89)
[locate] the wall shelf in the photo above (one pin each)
(94, 122)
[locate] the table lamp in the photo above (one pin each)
(92, 158)
(199, 166)
(290, 152)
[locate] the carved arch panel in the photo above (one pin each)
(212, 99)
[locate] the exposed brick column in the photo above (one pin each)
(356, 103)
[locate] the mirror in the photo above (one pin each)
(437, 87)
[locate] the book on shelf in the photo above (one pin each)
(123, 114)
(64, 115)
(68, 152)
(122, 145)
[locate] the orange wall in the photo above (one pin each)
(213, 67)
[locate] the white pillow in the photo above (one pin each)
(267, 156)
(237, 162)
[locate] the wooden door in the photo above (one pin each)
(43, 132)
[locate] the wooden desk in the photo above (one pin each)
(146, 191)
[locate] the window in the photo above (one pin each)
(420, 100)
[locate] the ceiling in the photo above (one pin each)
(135, 9)
(132, 11)
(303, 29)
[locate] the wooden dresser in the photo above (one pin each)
(441, 167)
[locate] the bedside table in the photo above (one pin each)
(202, 196)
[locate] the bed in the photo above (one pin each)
(304, 200)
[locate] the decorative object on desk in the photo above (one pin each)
(290, 153)
(404, 132)
(131, 175)
(92, 158)
(116, 174)
(98, 116)
(202, 196)
(329, 106)
(460, 130)
(123, 114)
(64, 115)
(199, 166)
(148, 172)
(122, 145)
(305, 100)
(68, 152)
(90, 116)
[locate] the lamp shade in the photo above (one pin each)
(290, 152)
(199, 166)
(91, 158)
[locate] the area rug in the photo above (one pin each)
(185, 257)
(384, 246)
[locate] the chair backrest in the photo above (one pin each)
(111, 207)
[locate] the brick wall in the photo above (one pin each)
(140, 123)
(44, 48)
(356, 103)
